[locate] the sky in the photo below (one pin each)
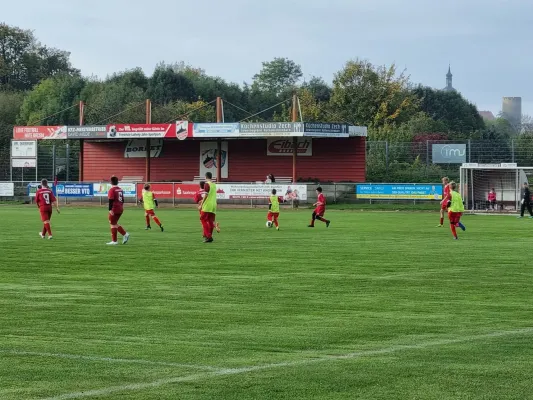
(487, 42)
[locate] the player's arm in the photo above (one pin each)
(206, 190)
(111, 198)
(54, 202)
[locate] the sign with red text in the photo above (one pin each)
(39, 132)
(237, 191)
(283, 147)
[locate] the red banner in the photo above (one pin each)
(178, 130)
(39, 132)
(170, 191)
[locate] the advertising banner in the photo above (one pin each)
(235, 191)
(39, 132)
(283, 147)
(216, 130)
(399, 191)
(101, 189)
(358, 131)
(24, 163)
(171, 191)
(271, 129)
(23, 148)
(185, 191)
(449, 153)
(138, 131)
(208, 158)
(7, 189)
(136, 148)
(32, 188)
(327, 129)
(74, 189)
(87, 132)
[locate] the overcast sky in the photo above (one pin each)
(487, 42)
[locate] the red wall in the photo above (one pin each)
(332, 160)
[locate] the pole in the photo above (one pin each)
(512, 150)
(387, 157)
(80, 172)
(219, 141)
(294, 139)
(469, 151)
(427, 157)
(148, 145)
(53, 161)
(68, 162)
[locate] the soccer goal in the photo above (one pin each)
(477, 180)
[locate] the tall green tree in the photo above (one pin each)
(278, 76)
(24, 62)
(370, 95)
(166, 86)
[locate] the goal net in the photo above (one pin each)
(477, 181)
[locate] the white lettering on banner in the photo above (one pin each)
(283, 147)
(136, 148)
(7, 189)
(229, 191)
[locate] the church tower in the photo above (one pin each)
(449, 76)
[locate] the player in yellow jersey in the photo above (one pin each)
(455, 210)
(150, 203)
(273, 210)
(208, 208)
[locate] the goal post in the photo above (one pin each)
(477, 180)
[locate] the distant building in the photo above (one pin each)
(449, 76)
(487, 115)
(512, 110)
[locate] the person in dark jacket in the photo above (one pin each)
(526, 202)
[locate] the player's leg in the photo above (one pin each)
(275, 217)
(121, 230)
(529, 209)
(522, 209)
(217, 226)
(205, 224)
(44, 218)
(441, 223)
(157, 220)
(48, 226)
(212, 218)
(320, 217)
(114, 229)
(453, 222)
(313, 218)
(147, 219)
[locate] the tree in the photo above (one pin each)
(451, 108)
(278, 75)
(24, 62)
(364, 94)
(167, 85)
(320, 90)
(10, 103)
(51, 102)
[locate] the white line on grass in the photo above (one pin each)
(242, 370)
(107, 359)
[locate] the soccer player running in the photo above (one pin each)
(445, 200)
(526, 202)
(198, 197)
(455, 210)
(320, 209)
(208, 207)
(273, 209)
(115, 196)
(150, 203)
(45, 199)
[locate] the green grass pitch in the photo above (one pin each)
(378, 306)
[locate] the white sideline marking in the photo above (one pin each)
(107, 359)
(242, 370)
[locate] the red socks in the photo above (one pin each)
(121, 230)
(114, 234)
(147, 220)
(442, 221)
(452, 226)
(44, 230)
(48, 229)
(321, 219)
(156, 220)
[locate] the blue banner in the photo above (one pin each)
(74, 190)
(399, 191)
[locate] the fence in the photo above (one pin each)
(385, 161)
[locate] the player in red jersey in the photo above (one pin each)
(198, 197)
(320, 209)
(445, 199)
(45, 199)
(116, 208)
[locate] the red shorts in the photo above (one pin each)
(272, 216)
(444, 206)
(46, 214)
(207, 216)
(113, 219)
(150, 212)
(320, 211)
(454, 217)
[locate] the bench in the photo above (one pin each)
(202, 178)
(132, 179)
(283, 179)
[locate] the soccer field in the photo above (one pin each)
(378, 306)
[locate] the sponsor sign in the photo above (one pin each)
(185, 191)
(271, 129)
(136, 148)
(87, 132)
(358, 131)
(138, 131)
(170, 190)
(235, 191)
(101, 189)
(326, 127)
(7, 189)
(400, 191)
(501, 166)
(24, 163)
(39, 132)
(283, 147)
(32, 188)
(216, 130)
(449, 153)
(74, 189)
(208, 158)
(183, 130)
(23, 148)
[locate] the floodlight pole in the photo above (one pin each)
(82, 115)
(219, 140)
(294, 139)
(148, 145)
